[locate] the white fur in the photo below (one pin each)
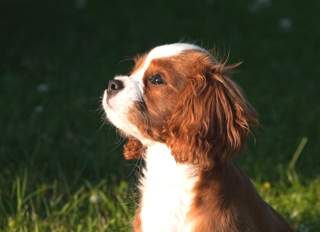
(166, 188)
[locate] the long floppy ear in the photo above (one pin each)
(211, 121)
(133, 149)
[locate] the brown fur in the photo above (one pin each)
(204, 118)
(226, 201)
(133, 149)
(137, 221)
(211, 121)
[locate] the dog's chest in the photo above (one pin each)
(166, 192)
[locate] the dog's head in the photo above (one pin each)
(179, 94)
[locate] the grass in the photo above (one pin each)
(61, 169)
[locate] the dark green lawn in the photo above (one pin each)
(61, 168)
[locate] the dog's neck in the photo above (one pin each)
(171, 190)
(167, 191)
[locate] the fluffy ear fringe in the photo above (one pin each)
(133, 149)
(211, 121)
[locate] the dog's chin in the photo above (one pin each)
(117, 114)
(119, 120)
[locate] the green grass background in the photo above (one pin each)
(61, 168)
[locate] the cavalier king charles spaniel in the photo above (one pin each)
(187, 119)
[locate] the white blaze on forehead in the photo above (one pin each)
(170, 50)
(162, 52)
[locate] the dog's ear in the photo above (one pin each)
(211, 121)
(133, 149)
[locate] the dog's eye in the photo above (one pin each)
(156, 79)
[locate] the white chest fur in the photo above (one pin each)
(166, 192)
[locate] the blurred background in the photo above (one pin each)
(61, 167)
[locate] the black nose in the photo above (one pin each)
(114, 86)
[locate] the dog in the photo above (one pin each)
(185, 117)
